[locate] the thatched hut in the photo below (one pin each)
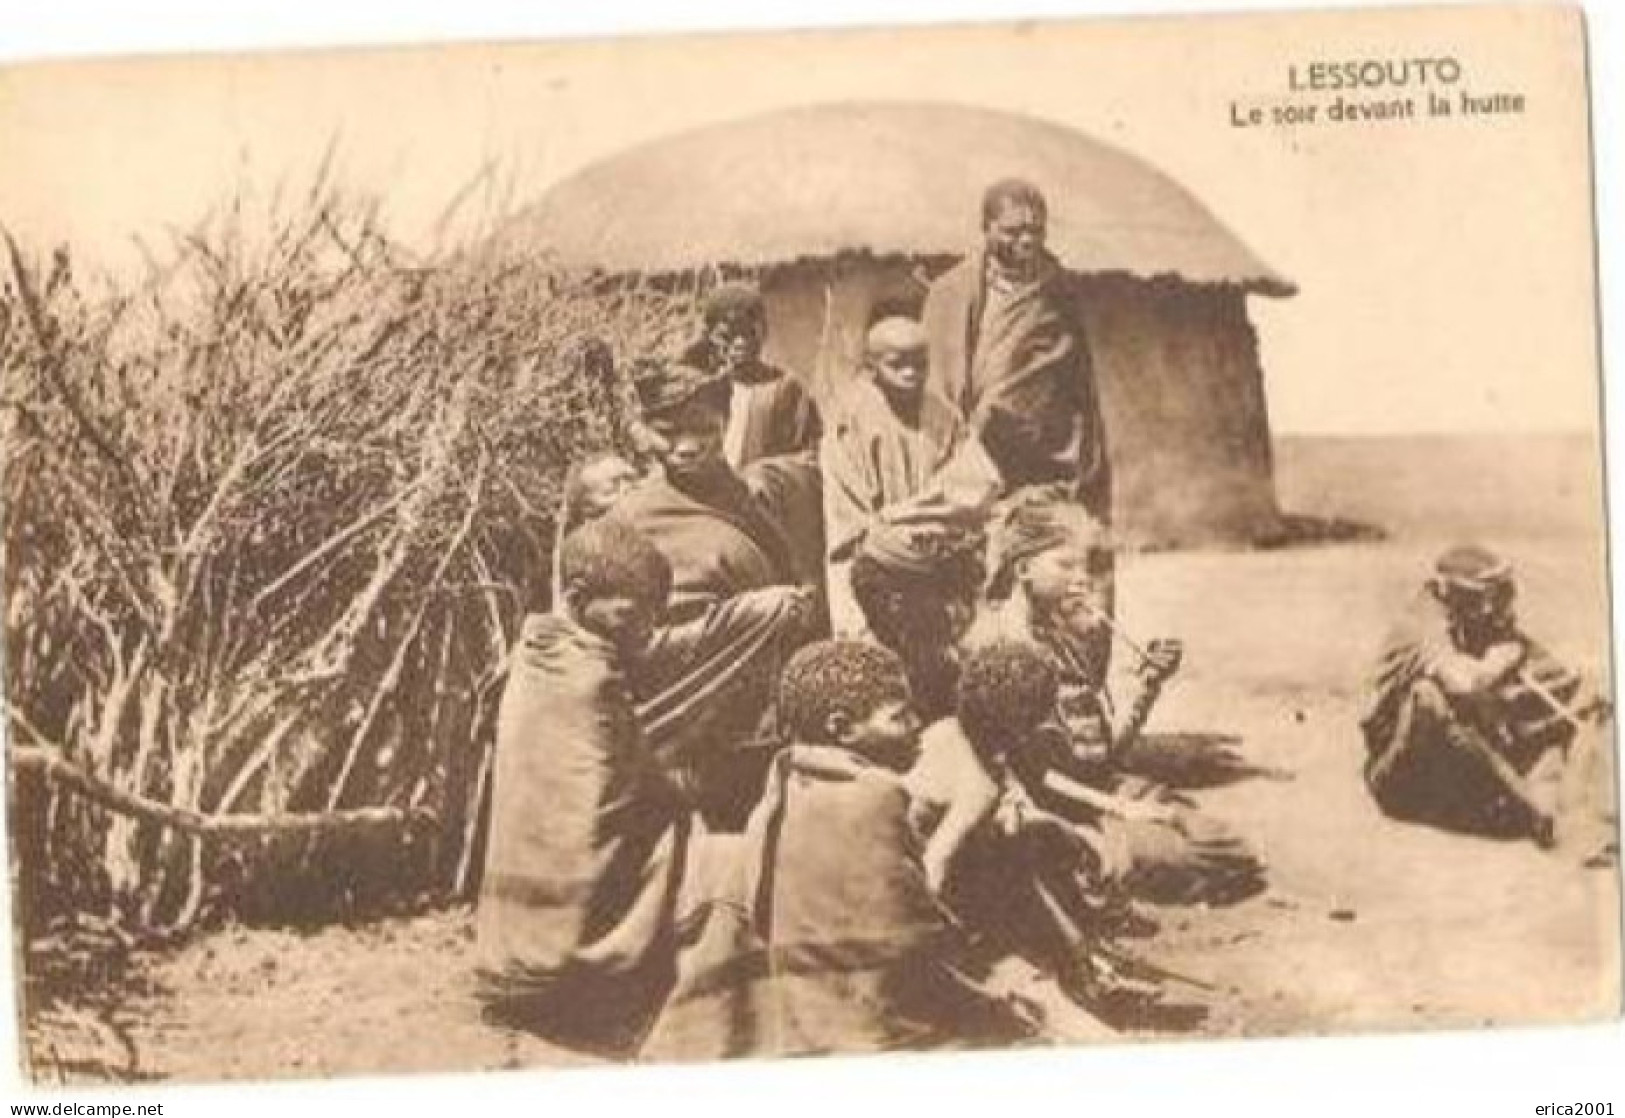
(843, 210)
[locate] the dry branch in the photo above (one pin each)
(55, 767)
(268, 518)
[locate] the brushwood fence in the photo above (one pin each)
(270, 515)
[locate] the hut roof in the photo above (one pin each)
(882, 178)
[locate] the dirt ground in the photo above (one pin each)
(1367, 924)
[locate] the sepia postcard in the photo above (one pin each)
(679, 548)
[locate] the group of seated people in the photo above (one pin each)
(811, 724)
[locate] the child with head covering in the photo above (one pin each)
(917, 587)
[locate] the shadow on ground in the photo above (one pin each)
(1192, 761)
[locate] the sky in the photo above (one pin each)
(1445, 266)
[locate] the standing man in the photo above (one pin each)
(1008, 348)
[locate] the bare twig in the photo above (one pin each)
(49, 364)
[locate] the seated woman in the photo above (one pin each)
(1044, 586)
(738, 607)
(587, 839)
(832, 940)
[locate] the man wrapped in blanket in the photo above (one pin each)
(1473, 726)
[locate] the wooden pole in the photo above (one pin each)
(54, 766)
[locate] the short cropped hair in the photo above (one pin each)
(610, 558)
(1006, 690)
(849, 677)
(1011, 192)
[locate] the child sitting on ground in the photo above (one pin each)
(1027, 880)
(833, 941)
(586, 839)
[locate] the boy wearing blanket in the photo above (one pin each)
(587, 839)
(830, 939)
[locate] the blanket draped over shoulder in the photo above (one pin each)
(1017, 364)
(826, 936)
(738, 551)
(1416, 771)
(872, 460)
(586, 846)
(788, 490)
(703, 686)
(769, 417)
(719, 543)
(1532, 724)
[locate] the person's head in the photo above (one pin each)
(854, 695)
(1007, 696)
(1478, 591)
(683, 412)
(894, 353)
(1015, 219)
(614, 581)
(735, 323)
(595, 485)
(918, 585)
(1058, 556)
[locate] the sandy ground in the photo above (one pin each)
(1366, 924)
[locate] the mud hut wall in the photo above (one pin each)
(1183, 397)
(818, 314)
(1177, 365)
